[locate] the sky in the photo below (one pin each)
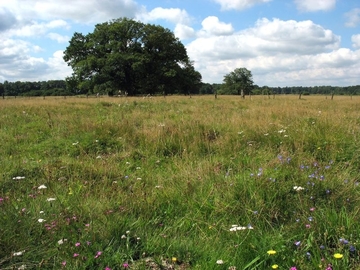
(282, 42)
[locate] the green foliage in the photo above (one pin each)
(131, 56)
(238, 81)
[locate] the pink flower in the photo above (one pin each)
(293, 268)
(125, 265)
(307, 226)
(107, 268)
(98, 254)
(77, 244)
(76, 254)
(64, 263)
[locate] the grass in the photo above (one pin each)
(161, 183)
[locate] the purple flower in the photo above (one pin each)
(352, 248)
(297, 243)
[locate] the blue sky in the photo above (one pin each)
(282, 42)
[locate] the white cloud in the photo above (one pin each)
(38, 29)
(174, 15)
(353, 17)
(356, 40)
(239, 4)
(318, 5)
(211, 26)
(182, 31)
(277, 52)
(59, 38)
(91, 11)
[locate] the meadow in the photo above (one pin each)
(180, 183)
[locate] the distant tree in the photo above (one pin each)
(129, 55)
(240, 80)
(2, 90)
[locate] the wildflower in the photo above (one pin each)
(344, 241)
(18, 177)
(308, 255)
(352, 248)
(308, 226)
(220, 262)
(338, 256)
(271, 252)
(125, 265)
(41, 220)
(274, 266)
(98, 254)
(107, 268)
(297, 243)
(76, 255)
(77, 244)
(312, 209)
(42, 187)
(19, 253)
(293, 268)
(88, 243)
(64, 263)
(50, 199)
(61, 241)
(298, 188)
(173, 259)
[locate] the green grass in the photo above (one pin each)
(158, 183)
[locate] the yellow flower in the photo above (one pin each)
(338, 256)
(274, 266)
(271, 252)
(173, 259)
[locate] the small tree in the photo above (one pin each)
(241, 80)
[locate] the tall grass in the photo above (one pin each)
(161, 183)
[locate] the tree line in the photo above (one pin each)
(60, 88)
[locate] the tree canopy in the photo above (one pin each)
(239, 81)
(127, 55)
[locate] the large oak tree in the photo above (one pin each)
(128, 55)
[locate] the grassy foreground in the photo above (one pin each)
(180, 183)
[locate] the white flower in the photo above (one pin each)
(62, 241)
(75, 143)
(41, 220)
(138, 178)
(298, 188)
(19, 253)
(41, 212)
(282, 130)
(42, 187)
(138, 168)
(127, 163)
(50, 199)
(220, 262)
(98, 157)
(123, 236)
(18, 177)
(21, 267)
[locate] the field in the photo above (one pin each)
(180, 183)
